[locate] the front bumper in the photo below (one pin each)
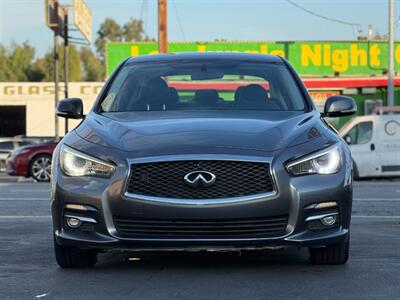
(295, 197)
(10, 166)
(16, 166)
(104, 242)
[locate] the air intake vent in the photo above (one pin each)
(170, 228)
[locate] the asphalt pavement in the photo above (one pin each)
(28, 269)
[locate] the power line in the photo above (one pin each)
(321, 16)
(356, 25)
(179, 21)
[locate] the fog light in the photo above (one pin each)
(73, 222)
(75, 206)
(326, 204)
(329, 220)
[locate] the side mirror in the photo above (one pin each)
(347, 139)
(70, 108)
(339, 106)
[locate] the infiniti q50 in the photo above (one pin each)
(206, 151)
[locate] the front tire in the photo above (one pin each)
(72, 257)
(40, 168)
(336, 254)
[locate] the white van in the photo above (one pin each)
(374, 141)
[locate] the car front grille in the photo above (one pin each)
(233, 179)
(185, 228)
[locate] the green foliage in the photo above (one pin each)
(44, 67)
(3, 63)
(133, 31)
(93, 69)
(16, 63)
(109, 31)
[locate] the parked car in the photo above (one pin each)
(31, 161)
(203, 151)
(7, 145)
(374, 141)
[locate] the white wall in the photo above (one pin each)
(38, 97)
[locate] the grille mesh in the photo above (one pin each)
(158, 228)
(233, 179)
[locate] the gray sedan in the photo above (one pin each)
(208, 151)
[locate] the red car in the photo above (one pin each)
(31, 161)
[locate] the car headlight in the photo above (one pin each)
(75, 163)
(327, 161)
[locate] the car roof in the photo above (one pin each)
(206, 56)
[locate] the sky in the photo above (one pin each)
(189, 20)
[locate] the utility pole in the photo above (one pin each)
(390, 89)
(66, 64)
(369, 32)
(56, 76)
(162, 26)
(56, 18)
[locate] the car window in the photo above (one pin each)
(6, 146)
(24, 143)
(203, 85)
(361, 133)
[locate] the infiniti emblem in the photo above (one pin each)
(200, 179)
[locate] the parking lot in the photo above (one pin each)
(28, 269)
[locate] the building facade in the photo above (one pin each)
(28, 108)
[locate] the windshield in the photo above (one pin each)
(227, 85)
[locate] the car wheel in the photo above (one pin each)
(73, 257)
(40, 168)
(336, 254)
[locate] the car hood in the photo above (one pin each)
(161, 133)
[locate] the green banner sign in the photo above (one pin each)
(309, 58)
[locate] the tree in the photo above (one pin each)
(16, 63)
(3, 63)
(45, 66)
(93, 69)
(133, 31)
(21, 61)
(74, 64)
(109, 31)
